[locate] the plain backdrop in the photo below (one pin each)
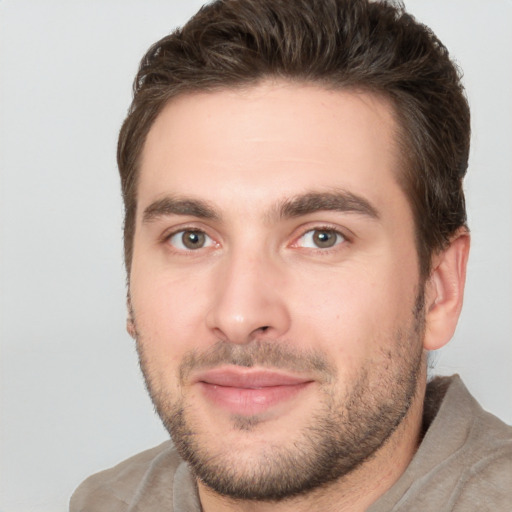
(72, 398)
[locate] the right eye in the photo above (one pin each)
(190, 240)
(321, 238)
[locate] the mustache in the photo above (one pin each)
(265, 353)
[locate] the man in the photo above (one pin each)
(296, 243)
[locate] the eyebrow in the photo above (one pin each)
(179, 206)
(341, 201)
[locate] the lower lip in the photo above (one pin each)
(250, 401)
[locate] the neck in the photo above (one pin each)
(354, 492)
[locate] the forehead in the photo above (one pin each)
(270, 141)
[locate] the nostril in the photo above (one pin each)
(264, 328)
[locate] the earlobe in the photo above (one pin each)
(130, 323)
(445, 290)
(130, 328)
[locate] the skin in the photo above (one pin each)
(259, 278)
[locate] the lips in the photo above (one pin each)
(249, 391)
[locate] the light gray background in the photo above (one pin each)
(72, 399)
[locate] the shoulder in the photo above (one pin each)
(115, 489)
(475, 460)
(486, 480)
(464, 462)
(487, 485)
(476, 453)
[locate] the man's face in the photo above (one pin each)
(274, 286)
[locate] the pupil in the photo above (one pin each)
(193, 239)
(324, 238)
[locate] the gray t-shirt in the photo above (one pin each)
(464, 464)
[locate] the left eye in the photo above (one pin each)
(190, 240)
(321, 239)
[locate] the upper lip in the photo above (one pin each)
(249, 378)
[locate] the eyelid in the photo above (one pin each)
(175, 230)
(345, 233)
(179, 244)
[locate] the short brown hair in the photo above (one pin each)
(340, 44)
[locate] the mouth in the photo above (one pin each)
(249, 391)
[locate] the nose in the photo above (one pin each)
(249, 300)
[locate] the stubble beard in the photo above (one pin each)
(345, 430)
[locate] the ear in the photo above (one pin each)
(444, 291)
(130, 322)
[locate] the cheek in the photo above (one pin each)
(351, 312)
(335, 314)
(169, 314)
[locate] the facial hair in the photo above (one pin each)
(345, 430)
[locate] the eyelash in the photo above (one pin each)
(323, 250)
(166, 238)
